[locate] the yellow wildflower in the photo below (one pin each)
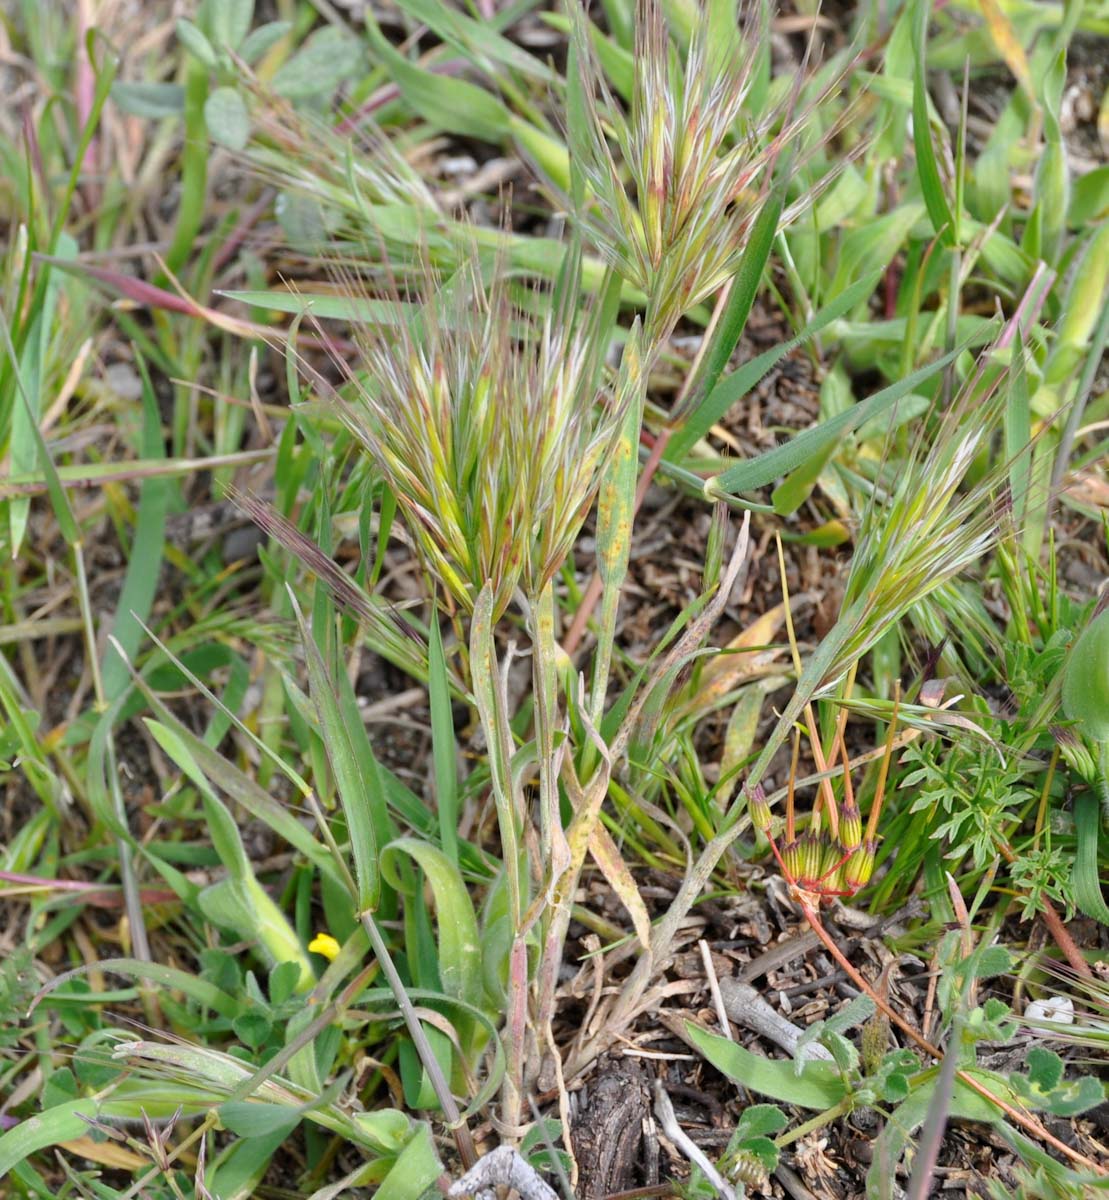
(325, 944)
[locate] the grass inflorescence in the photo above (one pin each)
(390, 693)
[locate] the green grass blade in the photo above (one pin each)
(477, 40)
(459, 961)
(615, 515)
(928, 171)
(204, 993)
(29, 372)
(1018, 432)
(222, 830)
(147, 547)
(745, 287)
(736, 385)
(76, 475)
(359, 793)
(443, 743)
(764, 469)
(453, 105)
(484, 676)
(241, 787)
(1087, 879)
(324, 306)
(62, 1123)
(194, 170)
(104, 77)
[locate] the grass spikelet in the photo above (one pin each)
(923, 528)
(491, 427)
(697, 162)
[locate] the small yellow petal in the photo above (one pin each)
(325, 944)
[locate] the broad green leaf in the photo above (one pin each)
(150, 100)
(907, 1118)
(757, 1120)
(1085, 693)
(227, 118)
(387, 1129)
(816, 1085)
(264, 38)
(319, 66)
(459, 946)
(196, 43)
(416, 1170)
(229, 20)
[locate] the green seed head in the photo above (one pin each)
(858, 869)
(850, 826)
(813, 847)
(492, 426)
(1076, 754)
(792, 858)
(758, 808)
(673, 206)
(830, 865)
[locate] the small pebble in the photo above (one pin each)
(1052, 1008)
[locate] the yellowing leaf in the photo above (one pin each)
(615, 870)
(108, 1154)
(1009, 46)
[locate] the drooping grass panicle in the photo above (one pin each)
(490, 424)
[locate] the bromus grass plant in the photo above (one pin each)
(675, 206)
(492, 430)
(350, 840)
